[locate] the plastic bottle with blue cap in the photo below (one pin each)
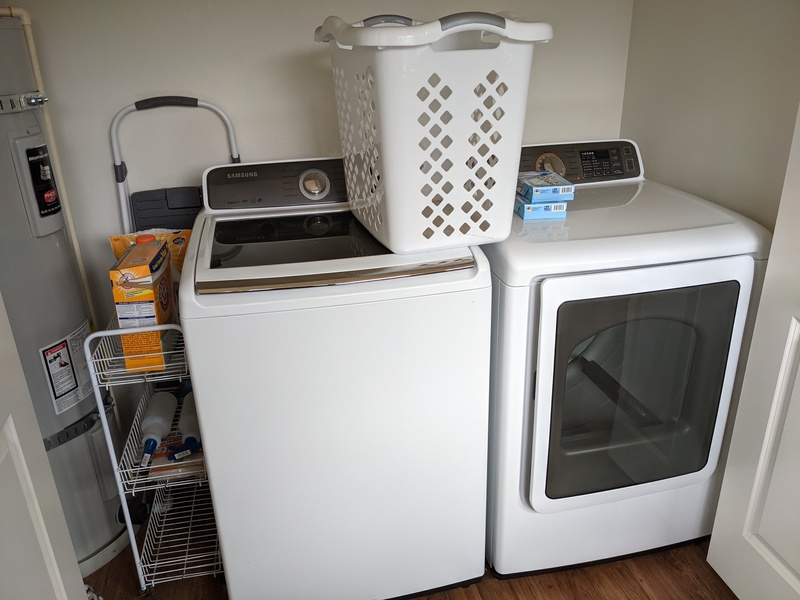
(156, 423)
(187, 424)
(189, 428)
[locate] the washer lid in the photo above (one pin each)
(297, 249)
(611, 226)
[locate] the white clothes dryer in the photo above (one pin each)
(342, 391)
(617, 337)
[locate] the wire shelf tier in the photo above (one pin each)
(111, 366)
(181, 539)
(162, 471)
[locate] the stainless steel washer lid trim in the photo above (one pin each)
(314, 273)
(337, 278)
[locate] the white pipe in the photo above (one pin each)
(15, 12)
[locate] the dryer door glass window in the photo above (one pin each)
(637, 385)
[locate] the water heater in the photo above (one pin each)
(48, 314)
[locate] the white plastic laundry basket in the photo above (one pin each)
(431, 117)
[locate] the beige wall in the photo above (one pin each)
(711, 97)
(258, 61)
(710, 90)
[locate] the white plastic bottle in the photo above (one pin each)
(187, 424)
(157, 422)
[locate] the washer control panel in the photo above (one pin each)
(585, 162)
(256, 186)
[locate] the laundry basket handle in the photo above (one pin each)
(448, 22)
(470, 18)
(387, 19)
(417, 33)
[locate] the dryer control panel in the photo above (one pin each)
(586, 162)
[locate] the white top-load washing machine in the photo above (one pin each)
(617, 337)
(342, 391)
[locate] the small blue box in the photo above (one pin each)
(540, 210)
(544, 186)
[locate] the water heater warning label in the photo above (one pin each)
(44, 186)
(66, 369)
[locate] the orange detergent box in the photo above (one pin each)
(142, 287)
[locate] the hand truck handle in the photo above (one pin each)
(121, 169)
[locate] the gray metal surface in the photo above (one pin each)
(46, 307)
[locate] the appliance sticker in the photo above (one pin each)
(44, 186)
(66, 369)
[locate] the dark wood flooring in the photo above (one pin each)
(677, 573)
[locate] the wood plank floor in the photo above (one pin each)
(678, 573)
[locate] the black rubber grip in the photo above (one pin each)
(165, 101)
(467, 18)
(120, 172)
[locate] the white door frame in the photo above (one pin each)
(754, 544)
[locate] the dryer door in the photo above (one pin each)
(634, 379)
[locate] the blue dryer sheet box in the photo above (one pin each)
(539, 210)
(544, 186)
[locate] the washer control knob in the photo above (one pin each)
(314, 184)
(550, 161)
